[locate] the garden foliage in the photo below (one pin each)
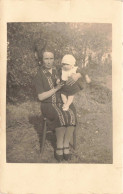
(89, 43)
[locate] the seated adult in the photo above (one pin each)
(51, 104)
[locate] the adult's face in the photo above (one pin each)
(48, 59)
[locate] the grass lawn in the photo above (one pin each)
(94, 129)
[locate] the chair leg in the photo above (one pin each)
(43, 135)
(74, 139)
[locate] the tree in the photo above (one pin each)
(80, 39)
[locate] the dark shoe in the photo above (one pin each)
(58, 157)
(66, 156)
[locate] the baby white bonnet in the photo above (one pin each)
(69, 59)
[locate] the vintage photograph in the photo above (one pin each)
(59, 93)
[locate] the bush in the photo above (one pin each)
(24, 38)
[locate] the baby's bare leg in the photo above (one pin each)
(68, 103)
(64, 98)
(69, 100)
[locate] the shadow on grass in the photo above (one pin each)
(38, 123)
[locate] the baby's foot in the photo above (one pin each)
(65, 107)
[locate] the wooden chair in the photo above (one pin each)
(72, 143)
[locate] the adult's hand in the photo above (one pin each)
(58, 87)
(49, 93)
(73, 78)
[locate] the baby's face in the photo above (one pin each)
(66, 67)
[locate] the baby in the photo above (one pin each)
(68, 91)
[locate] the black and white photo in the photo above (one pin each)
(59, 93)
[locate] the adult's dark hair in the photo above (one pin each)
(40, 48)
